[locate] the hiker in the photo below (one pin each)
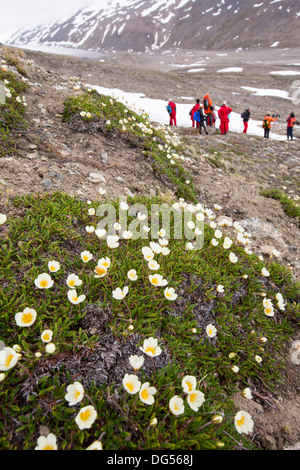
(223, 112)
(171, 108)
(192, 111)
(200, 119)
(267, 124)
(246, 116)
(208, 109)
(291, 121)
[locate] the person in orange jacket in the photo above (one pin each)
(291, 121)
(193, 111)
(208, 109)
(223, 113)
(172, 113)
(268, 119)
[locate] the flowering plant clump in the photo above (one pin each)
(104, 338)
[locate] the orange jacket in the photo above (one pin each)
(291, 121)
(270, 119)
(210, 103)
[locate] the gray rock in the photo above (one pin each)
(97, 178)
(47, 183)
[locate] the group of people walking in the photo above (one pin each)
(203, 115)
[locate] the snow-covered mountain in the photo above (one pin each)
(149, 25)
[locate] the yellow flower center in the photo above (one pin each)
(193, 397)
(145, 394)
(85, 258)
(75, 298)
(72, 282)
(130, 386)
(48, 447)
(210, 331)
(85, 415)
(27, 318)
(77, 393)
(241, 421)
(8, 360)
(150, 349)
(154, 281)
(52, 268)
(176, 407)
(46, 337)
(100, 271)
(43, 283)
(190, 387)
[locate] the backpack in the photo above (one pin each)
(169, 109)
(205, 103)
(243, 115)
(197, 116)
(266, 124)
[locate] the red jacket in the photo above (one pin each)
(173, 107)
(194, 109)
(223, 112)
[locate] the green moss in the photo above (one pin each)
(290, 207)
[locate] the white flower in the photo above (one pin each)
(195, 399)
(50, 348)
(141, 216)
(100, 232)
(132, 276)
(86, 417)
(220, 288)
(46, 443)
(96, 445)
(214, 242)
(2, 219)
(153, 265)
(258, 358)
(74, 298)
(75, 393)
(189, 246)
(233, 258)
(112, 241)
(165, 251)
(162, 233)
(91, 211)
(155, 247)
(150, 347)
(104, 262)
(124, 206)
(211, 330)
(90, 228)
(43, 281)
(119, 293)
(189, 383)
(243, 422)
(131, 383)
(157, 280)
(53, 266)
(265, 272)
(8, 358)
(83, 113)
(46, 336)
(218, 234)
(176, 405)
(73, 281)
(117, 226)
(100, 271)
(26, 318)
(227, 243)
(191, 224)
(169, 293)
(146, 393)
(136, 362)
(86, 256)
(163, 242)
(246, 393)
(235, 369)
(127, 234)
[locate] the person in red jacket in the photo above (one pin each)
(291, 121)
(172, 114)
(223, 113)
(193, 111)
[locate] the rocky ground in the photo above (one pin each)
(227, 170)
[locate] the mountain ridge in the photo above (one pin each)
(139, 26)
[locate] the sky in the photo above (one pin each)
(19, 14)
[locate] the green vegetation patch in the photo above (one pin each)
(290, 206)
(76, 306)
(12, 112)
(90, 111)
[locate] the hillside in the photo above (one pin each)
(139, 26)
(64, 159)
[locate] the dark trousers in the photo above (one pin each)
(290, 132)
(202, 126)
(267, 133)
